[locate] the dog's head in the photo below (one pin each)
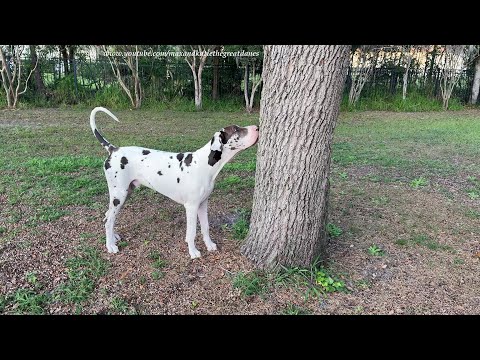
(231, 140)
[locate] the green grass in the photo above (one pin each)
(83, 271)
(333, 230)
(408, 144)
(316, 281)
(252, 283)
(472, 214)
(416, 183)
(429, 243)
(241, 226)
(414, 101)
(374, 250)
(29, 302)
(292, 309)
(119, 305)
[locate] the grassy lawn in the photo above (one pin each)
(405, 194)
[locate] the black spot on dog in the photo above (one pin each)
(181, 167)
(124, 161)
(171, 157)
(107, 163)
(213, 139)
(116, 202)
(145, 152)
(178, 180)
(168, 165)
(214, 157)
(188, 159)
(112, 149)
(233, 148)
(159, 173)
(180, 157)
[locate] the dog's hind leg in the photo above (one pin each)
(117, 199)
(203, 218)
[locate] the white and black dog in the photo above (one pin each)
(186, 178)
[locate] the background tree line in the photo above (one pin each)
(407, 77)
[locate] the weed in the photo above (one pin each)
(473, 194)
(156, 275)
(333, 230)
(375, 250)
(416, 183)
(328, 284)
(119, 305)
(26, 301)
(317, 280)
(473, 214)
(380, 200)
(292, 309)
(241, 225)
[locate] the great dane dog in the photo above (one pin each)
(186, 178)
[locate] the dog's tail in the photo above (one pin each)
(97, 134)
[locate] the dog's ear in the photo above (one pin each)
(216, 144)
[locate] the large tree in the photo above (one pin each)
(39, 84)
(299, 106)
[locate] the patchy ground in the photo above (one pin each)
(404, 221)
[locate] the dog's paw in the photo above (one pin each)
(211, 246)
(117, 237)
(112, 248)
(194, 253)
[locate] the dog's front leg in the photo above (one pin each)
(203, 218)
(192, 211)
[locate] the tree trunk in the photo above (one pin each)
(476, 83)
(71, 57)
(405, 77)
(300, 102)
(63, 50)
(216, 62)
(245, 89)
(39, 85)
(6, 79)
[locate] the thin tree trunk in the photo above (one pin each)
(245, 88)
(63, 50)
(254, 89)
(299, 106)
(476, 83)
(6, 79)
(39, 84)
(405, 77)
(216, 62)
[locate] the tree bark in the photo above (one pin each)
(39, 84)
(216, 62)
(300, 102)
(63, 51)
(405, 76)
(476, 83)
